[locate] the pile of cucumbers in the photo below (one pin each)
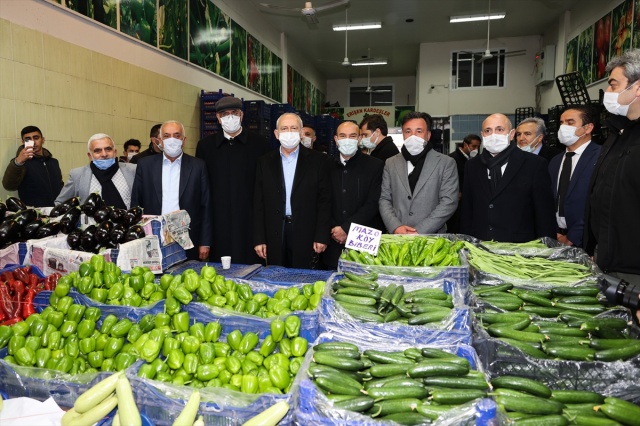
(413, 386)
(365, 300)
(570, 328)
(531, 403)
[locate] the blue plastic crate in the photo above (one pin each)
(13, 267)
(280, 275)
(235, 271)
(257, 108)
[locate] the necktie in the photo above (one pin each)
(565, 178)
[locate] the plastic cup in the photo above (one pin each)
(226, 262)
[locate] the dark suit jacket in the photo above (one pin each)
(521, 208)
(194, 194)
(355, 191)
(453, 224)
(385, 149)
(548, 152)
(578, 192)
(310, 206)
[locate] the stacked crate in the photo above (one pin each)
(553, 125)
(208, 120)
(326, 126)
(257, 118)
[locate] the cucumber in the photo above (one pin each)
(429, 317)
(386, 370)
(599, 323)
(630, 351)
(337, 398)
(397, 295)
(393, 406)
(318, 369)
(392, 315)
(387, 358)
(505, 317)
(564, 331)
(387, 393)
(350, 283)
(436, 368)
(421, 308)
(583, 300)
(430, 293)
(363, 279)
(356, 300)
(456, 396)
(523, 336)
(350, 307)
(433, 411)
(436, 353)
(576, 396)
(447, 303)
(507, 305)
(338, 387)
(610, 343)
(575, 291)
(355, 291)
(571, 315)
(543, 311)
(357, 404)
(521, 325)
(387, 293)
(343, 353)
(509, 392)
(365, 316)
(552, 420)
(408, 419)
(623, 413)
(529, 404)
(339, 363)
(505, 297)
(590, 309)
(522, 384)
(413, 354)
(585, 420)
(533, 299)
(571, 353)
(465, 382)
(379, 382)
(492, 288)
(406, 381)
(559, 340)
(339, 377)
(335, 346)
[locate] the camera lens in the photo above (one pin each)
(624, 294)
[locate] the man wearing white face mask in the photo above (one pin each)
(292, 202)
(373, 131)
(419, 185)
(231, 156)
(507, 192)
(529, 136)
(176, 181)
(468, 149)
(308, 137)
(611, 223)
(355, 184)
(571, 172)
(113, 180)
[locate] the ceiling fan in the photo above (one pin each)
(308, 11)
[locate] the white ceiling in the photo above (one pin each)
(398, 40)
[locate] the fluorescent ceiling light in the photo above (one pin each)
(351, 27)
(481, 17)
(371, 62)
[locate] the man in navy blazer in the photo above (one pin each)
(176, 181)
(576, 125)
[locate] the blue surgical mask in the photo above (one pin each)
(104, 164)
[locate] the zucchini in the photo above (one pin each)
(335, 346)
(393, 406)
(96, 394)
(429, 317)
(551, 420)
(387, 358)
(529, 404)
(386, 370)
(269, 417)
(456, 396)
(465, 382)
(523, 336)
(408, 419)
(436, 368)
(190, 411)
(356, 300)
(385, 393)
(339, 363)
(96, 413)
(522, 384)
(357, 404)
(128, 413)
(576, 397)
(338, 387)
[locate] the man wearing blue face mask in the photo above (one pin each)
(355, 184)
(419, 185)
(113, 180)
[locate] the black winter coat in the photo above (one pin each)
(385, 149)
(38, 181)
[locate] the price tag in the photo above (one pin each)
(363, 238)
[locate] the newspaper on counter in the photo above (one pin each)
(10, 255)
(142, 252)
(176, 225)
(62, 260)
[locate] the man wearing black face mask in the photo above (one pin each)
(104, 174)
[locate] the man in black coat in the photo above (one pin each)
(355, 182)
(231, 156)
(292, 205)
(468, 149)
(155, 145)
(373, 131)
(507, 192)
(176, 181)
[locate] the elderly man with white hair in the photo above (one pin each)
(104, 174)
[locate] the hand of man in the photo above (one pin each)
(261, 250)
(319, 247)
(203, 253)
(338, 234)
(562, 239)
(24, 155)
(405, 229)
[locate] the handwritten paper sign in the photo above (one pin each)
(363, 238)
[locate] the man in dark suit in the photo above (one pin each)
(292, 204)
(570, 185)
(355, 184)
(231, 156)
(176, 181)
(507, 192)
(530, 135)
(373, 131)
(468, 149)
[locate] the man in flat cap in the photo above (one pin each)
(231, 156)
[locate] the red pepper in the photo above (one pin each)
(33, 280)
(28, 308)
(18, 295)
(11, 321)
(22, 274)
(6, 305)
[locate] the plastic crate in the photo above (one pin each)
(13, 267)
(572, 88)
(257, 108)
(280, 275)
(522, 113)
(235, 271)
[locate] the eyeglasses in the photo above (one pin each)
(227, 113)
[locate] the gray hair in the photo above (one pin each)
(300, 126)
(541, 128)
(98, 136)
(171, 122)
(630, 64)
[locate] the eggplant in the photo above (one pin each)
(59, 210)
(88, 241)
(93, 203)
(132, 216)
(117, 233)
(9, 231)
(3, 212)
(25, 216)
(72, 202)
(103, 231)
(73, 239)
(117, 215)
(133, 233)
(48, 229)
(69, 221)
(30, 230)
(15, 204)
(102, 214)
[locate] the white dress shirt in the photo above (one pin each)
(170, 184)
(289, 171)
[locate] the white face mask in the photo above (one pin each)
(567, 135)
(473, 153)
(495, 143)
(531, 147)
(610, 102)
(347, 147)
(230, 123)
(130, 155)
(414, 144)
(289, 140)
(368, 143)
(172, 147)
(306, 141)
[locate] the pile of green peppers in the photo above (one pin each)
(420, 252)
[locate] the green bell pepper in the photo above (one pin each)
(240, 306)
(33, 343)
(109, 278)
(146, 371)
(190, 345)
(92, 313)
(217, 300)
(191, 282)
(169, 344)
(55, 340)
(314, 301)
(25, 356)
(299, 346)
(285, 347)
(277, 330)
(300, 303)
(63, 287)
(136, 282)
(86, 328)
(151, 350)
(85, 285)
(42, 356)
(121, 328)
(279, 377)
(148, 276)
(255, 358)
(294, 365)
(108, 364)
(292, 326)
(190, 363)
(175, 359)
(101, 341)
(108, 323)
(75, 312)
(164, 376)
(234, 338)
(116, 291)
(208, 273)
(171, 305)
(147, 290)
(261, 298)
(212, 332)
(95, 359)
(207, 372)
(38, 327)
(248, 342)
(161, 320)
(232, 298)
(87, 345)
(204, 290)
(147, 323)
(180, 322)
(251, 307)
(68, 328)
(249, 384)
(135, 332)
(85, 269)
(97, 262)
(197, 330)
(183, 295)
(6, 333)
(233, 364)
(218, 285)
(207, 353)
(165, 281)
(222, 349)
(249, 367)
(56, 318)
(113, 346)
(124, 360)
(159, 365)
